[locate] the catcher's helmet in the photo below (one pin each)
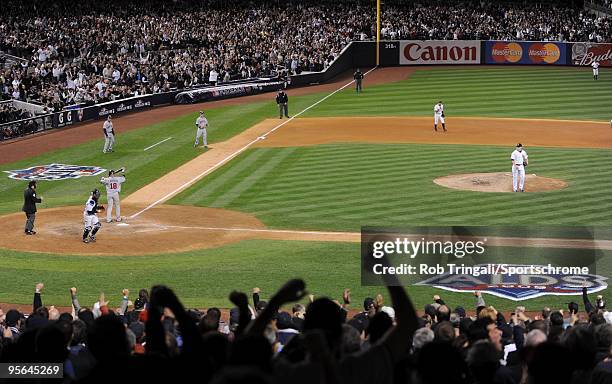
(95, 193)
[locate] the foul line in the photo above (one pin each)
(156, 144)
(231, 156)
(498, 241)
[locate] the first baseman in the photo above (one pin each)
(519, 162)
(113, 187)
(109, 135)
(439, 116)
(201, 123)
(595, 65)
(90, 217)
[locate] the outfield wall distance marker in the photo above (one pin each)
(239, 151)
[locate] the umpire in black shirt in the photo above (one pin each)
(282, 100)
(358, 76)
(29, 207)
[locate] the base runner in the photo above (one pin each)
(90, 217)
(113, 187)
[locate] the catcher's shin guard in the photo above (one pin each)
(95, 229)
(86, 232)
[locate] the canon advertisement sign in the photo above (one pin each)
(586, 53)
(414, 52)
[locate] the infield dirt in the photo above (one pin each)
(168, 228)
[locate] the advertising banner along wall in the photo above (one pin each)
(525, 52)
(226, 91)
(586, 53)
(416, 52)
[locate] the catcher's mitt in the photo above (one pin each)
(101, 208)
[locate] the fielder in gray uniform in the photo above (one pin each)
(202, 124)
(109, 135)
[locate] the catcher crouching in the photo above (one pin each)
(90, 217)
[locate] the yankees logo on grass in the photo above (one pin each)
(54, 171)
(517, 287)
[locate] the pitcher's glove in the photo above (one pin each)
(442, 114)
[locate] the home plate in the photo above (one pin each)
(122, 224)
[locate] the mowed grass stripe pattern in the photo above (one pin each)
(557, 93)
(143, 167)
(343, 187)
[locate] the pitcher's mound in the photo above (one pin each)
(498, 182)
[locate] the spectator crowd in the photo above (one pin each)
(9, 113)
(116, 49)
(84, 52)
(493, 20)
(154, 338)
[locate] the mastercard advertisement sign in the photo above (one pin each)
(525, 52)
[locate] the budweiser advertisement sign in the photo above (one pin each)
(415, 52)
(586, 53)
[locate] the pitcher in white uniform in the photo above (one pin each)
(109, 135)
(519, 162)
(113, 187)
(439, 116)
(202, 124)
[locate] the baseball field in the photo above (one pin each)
(273, 199)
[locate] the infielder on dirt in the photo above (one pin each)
(201, 123)
(113, 187)
(439, 116)
(109, 135)
(519, 162)
(595, 65)
(90, 217)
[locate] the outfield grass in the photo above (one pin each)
(344, 187)
(204, 278)
(532, 92)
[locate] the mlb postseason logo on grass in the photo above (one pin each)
(515, 263)
(54, 171)
(516, 282)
